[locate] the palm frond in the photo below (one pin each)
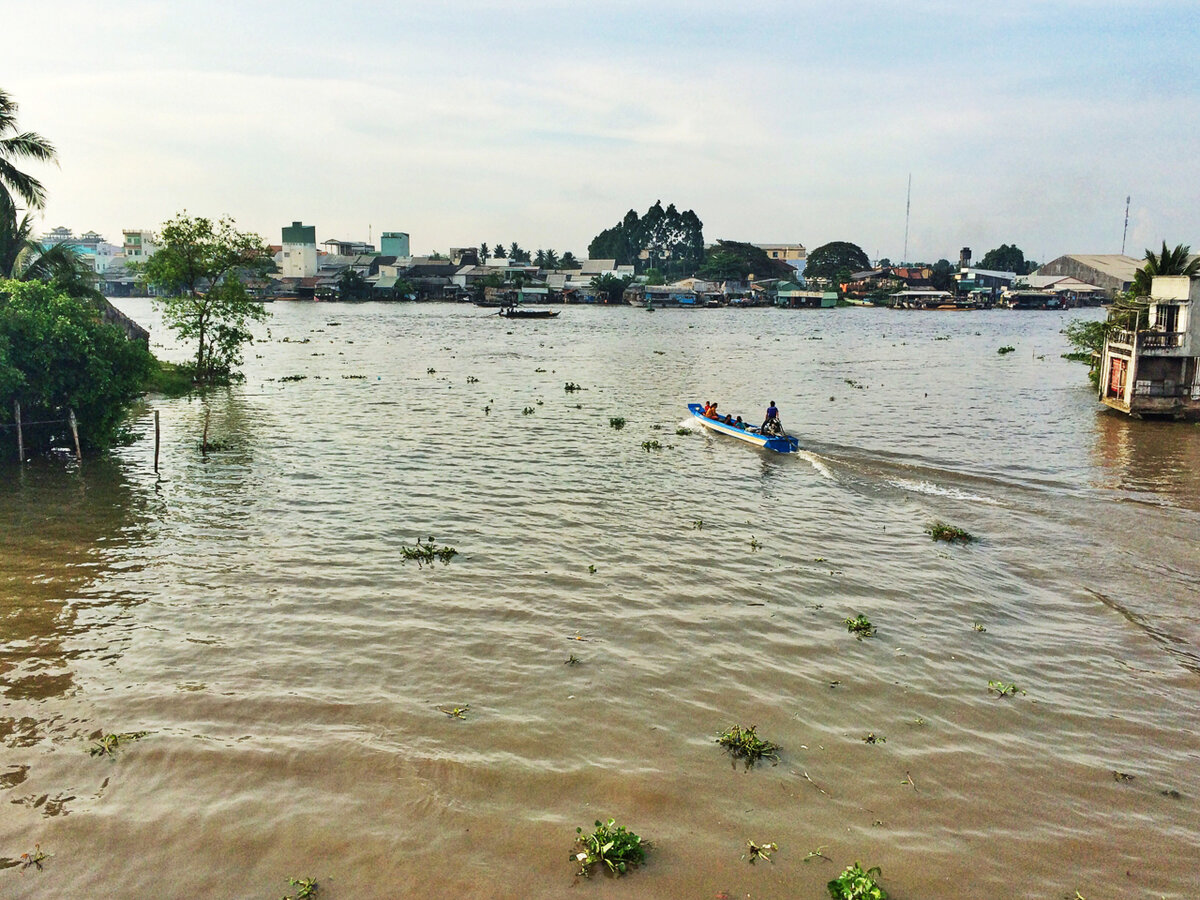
(14, 181)
(28, 145)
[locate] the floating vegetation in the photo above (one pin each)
(856, 884)
(816, 854)
(859, 626)
(308, 888)
(293, 378)
(698, 524)
(754, 544)
(572, 660)
(34, 857)
(978, 627)
(571, 387)
(216, 446)
(873, 738)
(1003, 689)
(288, 340)
(919, 721)
(1172, 793)
(760, 851)
(1122, 777)
(471, 379)
(853, 383)
(591, 570)
(744, 743)
(1006, 349)
(431, 371)
(428, 552)
(487, 410)
(355, 377)
(541, 403)
(651, 445)
(527, 411)
(681, 431)
(610, 844)
(940, 531)
(455, 712)
(108, 744)
(617, 422)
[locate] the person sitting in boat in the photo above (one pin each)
(708, 405)
(712, 412)
(739, 424)
(771, 424)
(728, 420)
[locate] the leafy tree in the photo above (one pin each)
(826, 261)
(14, 146)
(1088, 340)
(353, 285)
(483, 253)
(551, 261)
(498, 250)
(1168, 262)
(23, 258)
(885, 263)
(722, 265)
(655, 277)
(664, 239)
(735, 259)
(942, 278)
(610, 286)
(200, 266)
(57, 354)
(569, 261)
(539, 259)
(1006, 258)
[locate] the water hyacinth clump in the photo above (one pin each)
(857, 884)
(744, 743)
(940, 531)
(859, 626)
(610, 844)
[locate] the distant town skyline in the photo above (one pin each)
(542, 123)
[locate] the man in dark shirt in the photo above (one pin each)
(771, 422)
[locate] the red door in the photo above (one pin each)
(1116, 383)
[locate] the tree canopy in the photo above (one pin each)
(735, 259)
(610, 286)
(19, 145)
(1168, 262)
(837, 256)
(200, 266)
(1007, 258)
(664, 239)
(57, 354)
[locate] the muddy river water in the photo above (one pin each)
(252, 611)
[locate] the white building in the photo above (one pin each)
(139, 245)
(299, 255)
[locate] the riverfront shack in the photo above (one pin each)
(1154, 369)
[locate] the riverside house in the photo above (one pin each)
(1154, 369)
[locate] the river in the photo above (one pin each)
(609, 610)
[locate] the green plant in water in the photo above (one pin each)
(108, 744)
(940, 531)
(609, 844)
(651, 445)
(744, 743)
(760, 851)
(571, 387)
(293, 378)
(859, 626)
(308, 888)
(873, 738)
(681, 431)
(978, 627)
(816, 854)
(617, 422)
(34, 858)
(428, 552)
(591, 570)
(754, 544)
(455, 712)
(1123, 777)
(1006, 349)
(1003, 689)
(856, 884)
(571, 660)
(698, 524)
(471, 379)
(527, 411)
(431, 371)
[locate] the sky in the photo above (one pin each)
(543, 122)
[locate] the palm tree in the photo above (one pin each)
(1169, 262)
(16, 145)
(25, 259)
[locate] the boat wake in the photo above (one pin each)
(927, 487)
(818, 464)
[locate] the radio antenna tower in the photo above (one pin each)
(1125, 233)
(907, 211)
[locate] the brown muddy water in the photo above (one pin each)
(253, 612)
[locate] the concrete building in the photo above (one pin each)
(335, 247)
(789, 253)
(394, 243)
(139, 245)
(1112, 272)
(299, 259)
(1153, 369)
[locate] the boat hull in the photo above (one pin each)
(784, 444)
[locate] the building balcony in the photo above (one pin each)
(1147, 341)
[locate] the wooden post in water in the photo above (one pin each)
(20, 436)
(156, 439)
(75, 433)
(204, 440)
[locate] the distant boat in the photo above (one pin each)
(779, 443)
(512, 312)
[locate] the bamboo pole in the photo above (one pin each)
(157, 435)
(75, 433)
(20, 436)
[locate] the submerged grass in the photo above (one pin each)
(744, 743)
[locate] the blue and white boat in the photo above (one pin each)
(779, 443)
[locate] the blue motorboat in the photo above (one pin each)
(780, 443)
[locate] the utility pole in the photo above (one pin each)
(1125, 233)
(907, 211)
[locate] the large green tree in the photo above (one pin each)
(17, 146)
(664, 239)
(735, 259)
(57, 355)
(610, 287)
(25, 259)
(837, 256)
(1007, 258)
(1168, 262)
(201, 267)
